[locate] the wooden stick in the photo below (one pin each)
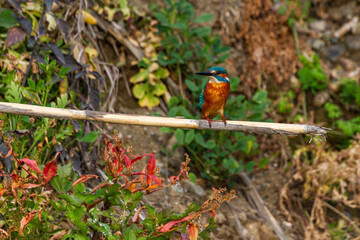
(243, 126)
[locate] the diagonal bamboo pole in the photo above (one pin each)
(242, 126)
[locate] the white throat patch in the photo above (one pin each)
(215, 80)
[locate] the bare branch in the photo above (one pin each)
(126, 119)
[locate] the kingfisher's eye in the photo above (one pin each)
(218, 73)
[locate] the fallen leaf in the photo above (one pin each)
(90, 19)
(14, 35)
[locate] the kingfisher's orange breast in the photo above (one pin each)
(215, 97)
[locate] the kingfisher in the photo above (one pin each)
(214, 94)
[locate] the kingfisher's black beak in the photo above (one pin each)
(206, 73)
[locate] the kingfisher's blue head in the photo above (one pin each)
(216, 74)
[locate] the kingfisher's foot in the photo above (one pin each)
(223, 119)
(209, 120)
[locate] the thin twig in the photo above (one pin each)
(357, 229)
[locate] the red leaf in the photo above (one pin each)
(50, 169)
(14, 35)
(84, 178)
(127, 161)
(137, 158)
(213, 214)
(193, 231)
(26, 220)
(167, 227)
(150, 168)
(32, 164)
(151, 165)
(156, 179)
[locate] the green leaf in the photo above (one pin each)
(210, 144)
(189, 137)
(207, 17)
(139, 90)
(161, 18)
(130, 234)
(89, 138)
(192, 177)
(187, 54)
(79, 188)
(124, 8)
(75, 214)
(263, 162)
(179, 25)
(71, 199)
(6, 19)
(140, 76)
(249, 167)
(202, 32)
(192, 86)
(260, 96)
(161, 73)
(179, 135)
(153, 101)
(199, 139)
(159, 89)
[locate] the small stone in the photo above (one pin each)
(353, 42)
(294, 82)
(356, 29)
(321, 98)
(121, 136)
(194, 188)
(220, 217)
(287, 224)
(318, 25)
(318, 44)
(333, 40)
(347, 63)
(334, 52)
(335, 15)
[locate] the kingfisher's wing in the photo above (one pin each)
(202, 97)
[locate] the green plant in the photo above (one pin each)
(349, 127)
(339, 231)
(53, 201)
(312, 75)
(184, 42)
(44, 132)
(333, 110)
(286, 105)
(350, 91)
(148, 86)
